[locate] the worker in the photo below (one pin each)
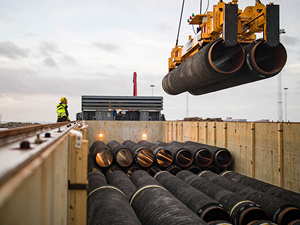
(62, 110)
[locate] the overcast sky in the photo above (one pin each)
(55, 48)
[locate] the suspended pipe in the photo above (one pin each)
(241, 210)
(108, 205)
(122, 154)
(205, 207)
(261, 62)
(142, 155)
(153, 205)
(120, 180)
(202, 156)
(162, 156)
(92, 165)
(221, 156)
(270, 189)
(173, 169)
(101, 153)
(182, 156)
(279, 211)
(141, 178)
(214, 62)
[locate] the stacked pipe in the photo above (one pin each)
(205, 207)
(162, 156)
(92, 165)
(279, 211)
(215, 67)
(202, 156)
(104, 201)
(120, 180)
(270, 189)
(183, 157)
(122, 155)
(142, 155)
(153, 204)
(221, 157)
(241, 210)
(101, 154)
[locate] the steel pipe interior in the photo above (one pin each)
(226, 60)
(268, 60)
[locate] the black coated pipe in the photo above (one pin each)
(92, 165)
(183, 157)
(101, 153)
(110, 169)
(241, 210)
(221, 156)
(173, 169)
(270, 189)
(141, 178)
(205, 207)
(154, 205)
(153, 170)
(95, 179)
(261, 62)
(108, 205)
(202, 156)
(219, 222)
(163, 156)
(262, 222)
(295, 222)
(122, 154)
(142, 155)
(279, 211)
(120, 180)
(131, 169)
(194, 169)
(214, 169)
(212, 63)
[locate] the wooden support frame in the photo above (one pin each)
(280, 155)
(77, 177)
(253, 150)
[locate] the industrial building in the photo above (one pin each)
(136, 108)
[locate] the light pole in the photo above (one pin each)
(152, 86)
(286, 104)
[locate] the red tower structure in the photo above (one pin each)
(134, 84)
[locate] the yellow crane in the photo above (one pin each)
(225, 52)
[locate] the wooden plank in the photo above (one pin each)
(225, 135)
(253, 150)
(280, 154)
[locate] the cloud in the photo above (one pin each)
(108, 47)
(50, 62)
(67, 59)
(12, 51)
(164, 27)
(6, 19)
(48, 48)
(288, 40)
